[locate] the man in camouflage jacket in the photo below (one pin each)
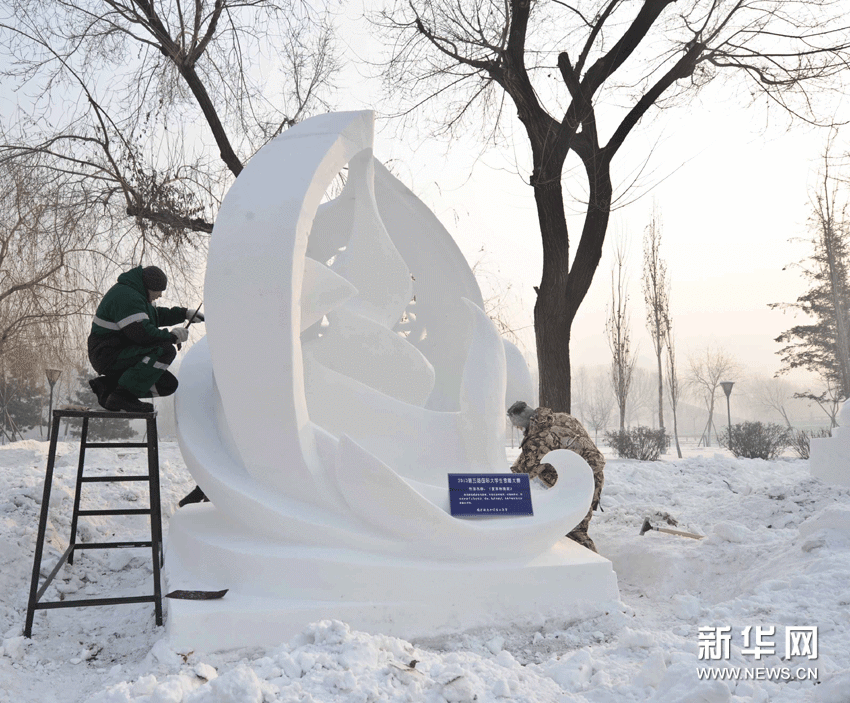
(546, 430)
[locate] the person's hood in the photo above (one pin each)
(133, 278)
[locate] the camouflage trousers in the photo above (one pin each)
(579, 532)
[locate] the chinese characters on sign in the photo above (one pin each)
(488, 495)
(800, 641)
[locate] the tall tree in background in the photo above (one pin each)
(706, 371)
(617, 328)
(657, 298)
(674, 389)
(152, 108)
(581, 77)
(823, 344)
(21, 395)
(641, 408)
(600, 405)
(45, 249)
(581, 394)
(773, 394)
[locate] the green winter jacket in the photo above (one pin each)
(126, 318)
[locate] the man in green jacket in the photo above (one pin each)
(128, 348)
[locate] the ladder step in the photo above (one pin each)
(118, 445)
(128, 511)
(106, 414)
(110, 545)
(113, 479)
(93, 601)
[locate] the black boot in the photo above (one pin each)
(102, 388)
(196, 496)
(122, 399)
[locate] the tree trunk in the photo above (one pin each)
(836, 288)
(552, 316)
(660, 392)
(562, 288)
(552, 331)
(710, 423)
(676, 433)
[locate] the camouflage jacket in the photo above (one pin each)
(549, 430)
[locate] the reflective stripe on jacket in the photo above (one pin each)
(125, 317)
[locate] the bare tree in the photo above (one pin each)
(641, 405)
(829, 400)
(581, 394)
(617, 328)
(130, 97)
(674, 389)
(772, 393)
(600, 405)
(499, 298)
(45, 243)
(657, 299)
(706, 371)
(581, 77)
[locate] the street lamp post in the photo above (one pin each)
(727, 389)
(52, 376)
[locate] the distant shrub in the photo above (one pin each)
(757, 440)
(642, 443)
(800, 440)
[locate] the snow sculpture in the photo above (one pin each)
(829, 457)
(520, 385)
(347, 368)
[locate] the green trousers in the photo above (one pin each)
(141, 368)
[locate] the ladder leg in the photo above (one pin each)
(75, 514)
(156, 515)
(42, 528)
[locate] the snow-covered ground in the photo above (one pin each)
(776, 554)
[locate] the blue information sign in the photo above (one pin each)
(488, 495)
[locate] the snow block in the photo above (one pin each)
(829, 457)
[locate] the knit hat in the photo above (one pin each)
(154, 278)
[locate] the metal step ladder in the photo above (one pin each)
(154, 511)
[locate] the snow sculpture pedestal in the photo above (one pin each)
(829, 457)
(405, 598)
(348, 367)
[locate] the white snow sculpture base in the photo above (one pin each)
(829, 457)
(399, 597)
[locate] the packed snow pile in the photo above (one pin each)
(776, 554)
